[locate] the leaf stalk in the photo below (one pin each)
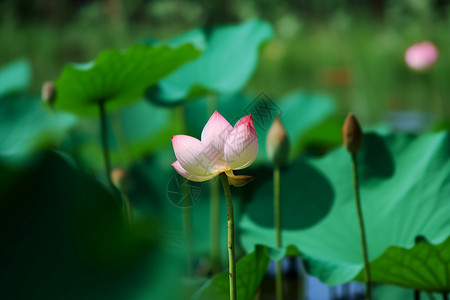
(277, 218)
(367, 278)
(231, 244)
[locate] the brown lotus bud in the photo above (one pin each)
(277, 143)
(48, 92)
(121, 179)
(352, 136)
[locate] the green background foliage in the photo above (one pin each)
(163, 67)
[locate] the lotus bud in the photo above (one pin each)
(277, 143)
(48, 92)
(121, 179)
(352, 135)
(222, 148)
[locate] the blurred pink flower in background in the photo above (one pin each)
(421, 56)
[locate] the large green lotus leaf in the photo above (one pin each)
(25, 125)
(227, 63)
(196, 37)
(424, 266)
(405, 182)
(301, 113)
(64, 237)
(250, 271)
(118, 78)
(14, 76)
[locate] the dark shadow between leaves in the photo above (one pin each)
(143, 194)
(375, 159)
(153, 94)
(306, 197)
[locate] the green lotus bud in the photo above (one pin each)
(48, 92)
(352, 136)
(277, 143)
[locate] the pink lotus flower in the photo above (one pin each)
(222, 148)
(421, 56)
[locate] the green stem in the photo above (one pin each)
(127, 209)
(187, 226)
(231, 245)
(416, 294)
(445, 295)
(333, 292)
(361, 227)
(215, 225)
(105, 148)
(277, 218)
(279, 280)
(122, 143)
(346, 291)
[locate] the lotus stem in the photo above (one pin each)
(122, 143)
(416, 294)
(445, 295)
(104, 138)
(346, 291)
(127, 209)
(361, 227)
(277, 218)
(215, 225)
(231, 245)
(333, 292)
(187, 226)
(120, 179)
